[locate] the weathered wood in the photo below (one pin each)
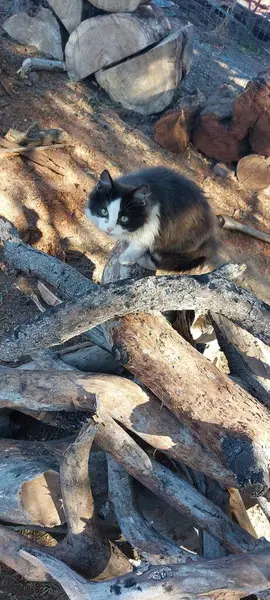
(154, 548)
(67, 391)
(69, 13)
(138, 85)
(248, 358)
(11, 543)
(238, 510)
(145, 344)
(83, 547)
(173, 489)
(162, 293)
(41, 31)
(30, 490)
(93, 360)
(123, 34)
(230, 577)
(227, 222)
(40, 64)
(118, 5)
(67, 281)
(253, 172)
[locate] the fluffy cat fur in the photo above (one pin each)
(164, 216)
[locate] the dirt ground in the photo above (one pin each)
(47, 208)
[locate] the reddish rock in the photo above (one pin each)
(229, 124)
(173, 130)
(260, 135)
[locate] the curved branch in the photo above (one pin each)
(67, 391)
(67, 281)
(136, 529)
(201, 292)
(174, 490)
(234, 576)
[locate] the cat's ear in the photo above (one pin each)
(105, 180)
(141, 194)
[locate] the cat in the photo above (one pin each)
(164, 216)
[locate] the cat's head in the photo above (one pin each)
(117, 209)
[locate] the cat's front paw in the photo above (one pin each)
(127, 259)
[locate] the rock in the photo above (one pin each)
(229, 124)
(222, 171)
(173, 130)
(34, 77)
(253, 172)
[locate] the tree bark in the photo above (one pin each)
(138, 85)
(155, 549)
(67, 391)
(173, 489)
(123, 34)
(248, 358)
(105, 302)
(230, 577)
(67, 281)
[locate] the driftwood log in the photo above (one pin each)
(235, 576)
(138, 85)
(123, 34)
(248, 357)
(41, 31)
(30, 487)
(24, 390)
(128, 348)
(227, 222)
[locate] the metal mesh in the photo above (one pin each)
(248, 20)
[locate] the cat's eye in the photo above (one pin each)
(124, 219)
(104, 212)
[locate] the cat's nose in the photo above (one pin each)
(109, 230)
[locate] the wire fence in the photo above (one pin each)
(248, 20)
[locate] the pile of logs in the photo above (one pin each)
(128, 45)
(146, 407)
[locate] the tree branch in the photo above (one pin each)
(234, 576)
(203, 292)
(68, 391)
(174, 490)
(151, 545)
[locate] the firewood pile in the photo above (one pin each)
(144, 425)
(129, 46)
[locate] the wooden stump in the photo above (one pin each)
(122, 35)
(69, 12)
(118, 5)
(139, 84)
(41, 31)
(253, 172)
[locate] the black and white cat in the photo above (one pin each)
(164, 216)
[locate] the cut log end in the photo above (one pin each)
(41, 500)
